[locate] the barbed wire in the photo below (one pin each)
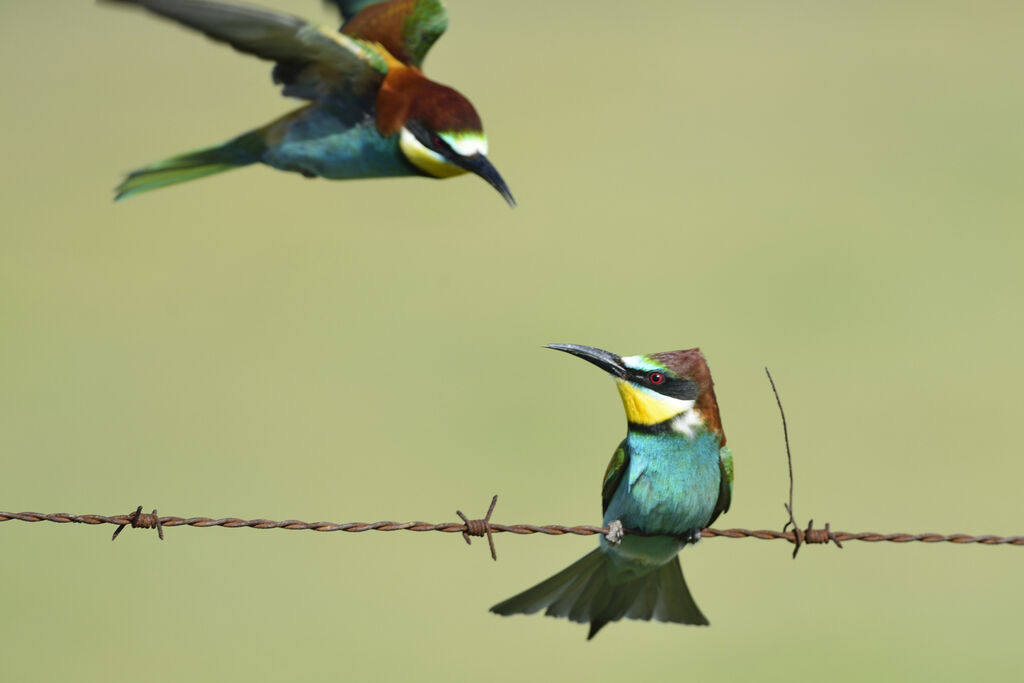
(484, 527)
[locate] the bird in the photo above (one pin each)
(669, 478)
(370, 110)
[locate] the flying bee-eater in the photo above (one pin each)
(371, 112)
(669, 478)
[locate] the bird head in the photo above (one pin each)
(670, 390)
(440, 132)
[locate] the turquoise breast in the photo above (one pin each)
(671, 485)
(321, 142)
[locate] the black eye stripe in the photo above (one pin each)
(683, 389)
(430, 140)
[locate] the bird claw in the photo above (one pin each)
(693, 537)
(615, 532)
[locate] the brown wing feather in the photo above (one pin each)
(405, 28)
(382, 23)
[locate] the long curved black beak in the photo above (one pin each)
(606, 360)
(479, 165)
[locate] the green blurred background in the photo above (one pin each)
(829, 189)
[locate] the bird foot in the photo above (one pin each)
(615, 533)
(693, 537)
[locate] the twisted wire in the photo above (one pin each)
(481, 527)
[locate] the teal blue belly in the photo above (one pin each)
(670, 487)
(318, 142)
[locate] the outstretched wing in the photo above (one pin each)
(613, 475)
(406, 28)
(724, 485)
(312, 60)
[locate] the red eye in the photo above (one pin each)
(656, 378)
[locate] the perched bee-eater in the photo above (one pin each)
(669, 478)
(371, 111)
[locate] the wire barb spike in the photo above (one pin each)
(138, 520)
(480, 527)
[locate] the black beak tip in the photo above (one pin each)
(606, 360)
(498, 184)
(480, 165)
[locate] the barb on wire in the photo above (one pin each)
(810, 534)
(471, 527)
(485, 527)
(137, 520)
(480, 527)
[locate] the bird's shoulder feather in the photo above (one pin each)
(613, 475)
(725, 484)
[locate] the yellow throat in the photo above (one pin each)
(427, 160)
(645, 407)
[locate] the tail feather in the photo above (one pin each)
(647, 601)
(673, 601)
(558, 594)
(617, 604)
(584, 592)
(242, 151)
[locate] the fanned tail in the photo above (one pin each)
(584, 592)
(242, 151)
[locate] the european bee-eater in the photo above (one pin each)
(371, 111)
(669, 478)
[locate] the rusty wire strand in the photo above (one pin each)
(811, 536)
(485, 527)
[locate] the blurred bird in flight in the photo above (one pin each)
(371, 112)
(669, 478)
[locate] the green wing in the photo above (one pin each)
(312, 60)
(725, 483)
(613, 475)
(406, 28)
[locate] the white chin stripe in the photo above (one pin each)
(466, 145)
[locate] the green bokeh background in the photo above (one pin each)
(829, 189)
